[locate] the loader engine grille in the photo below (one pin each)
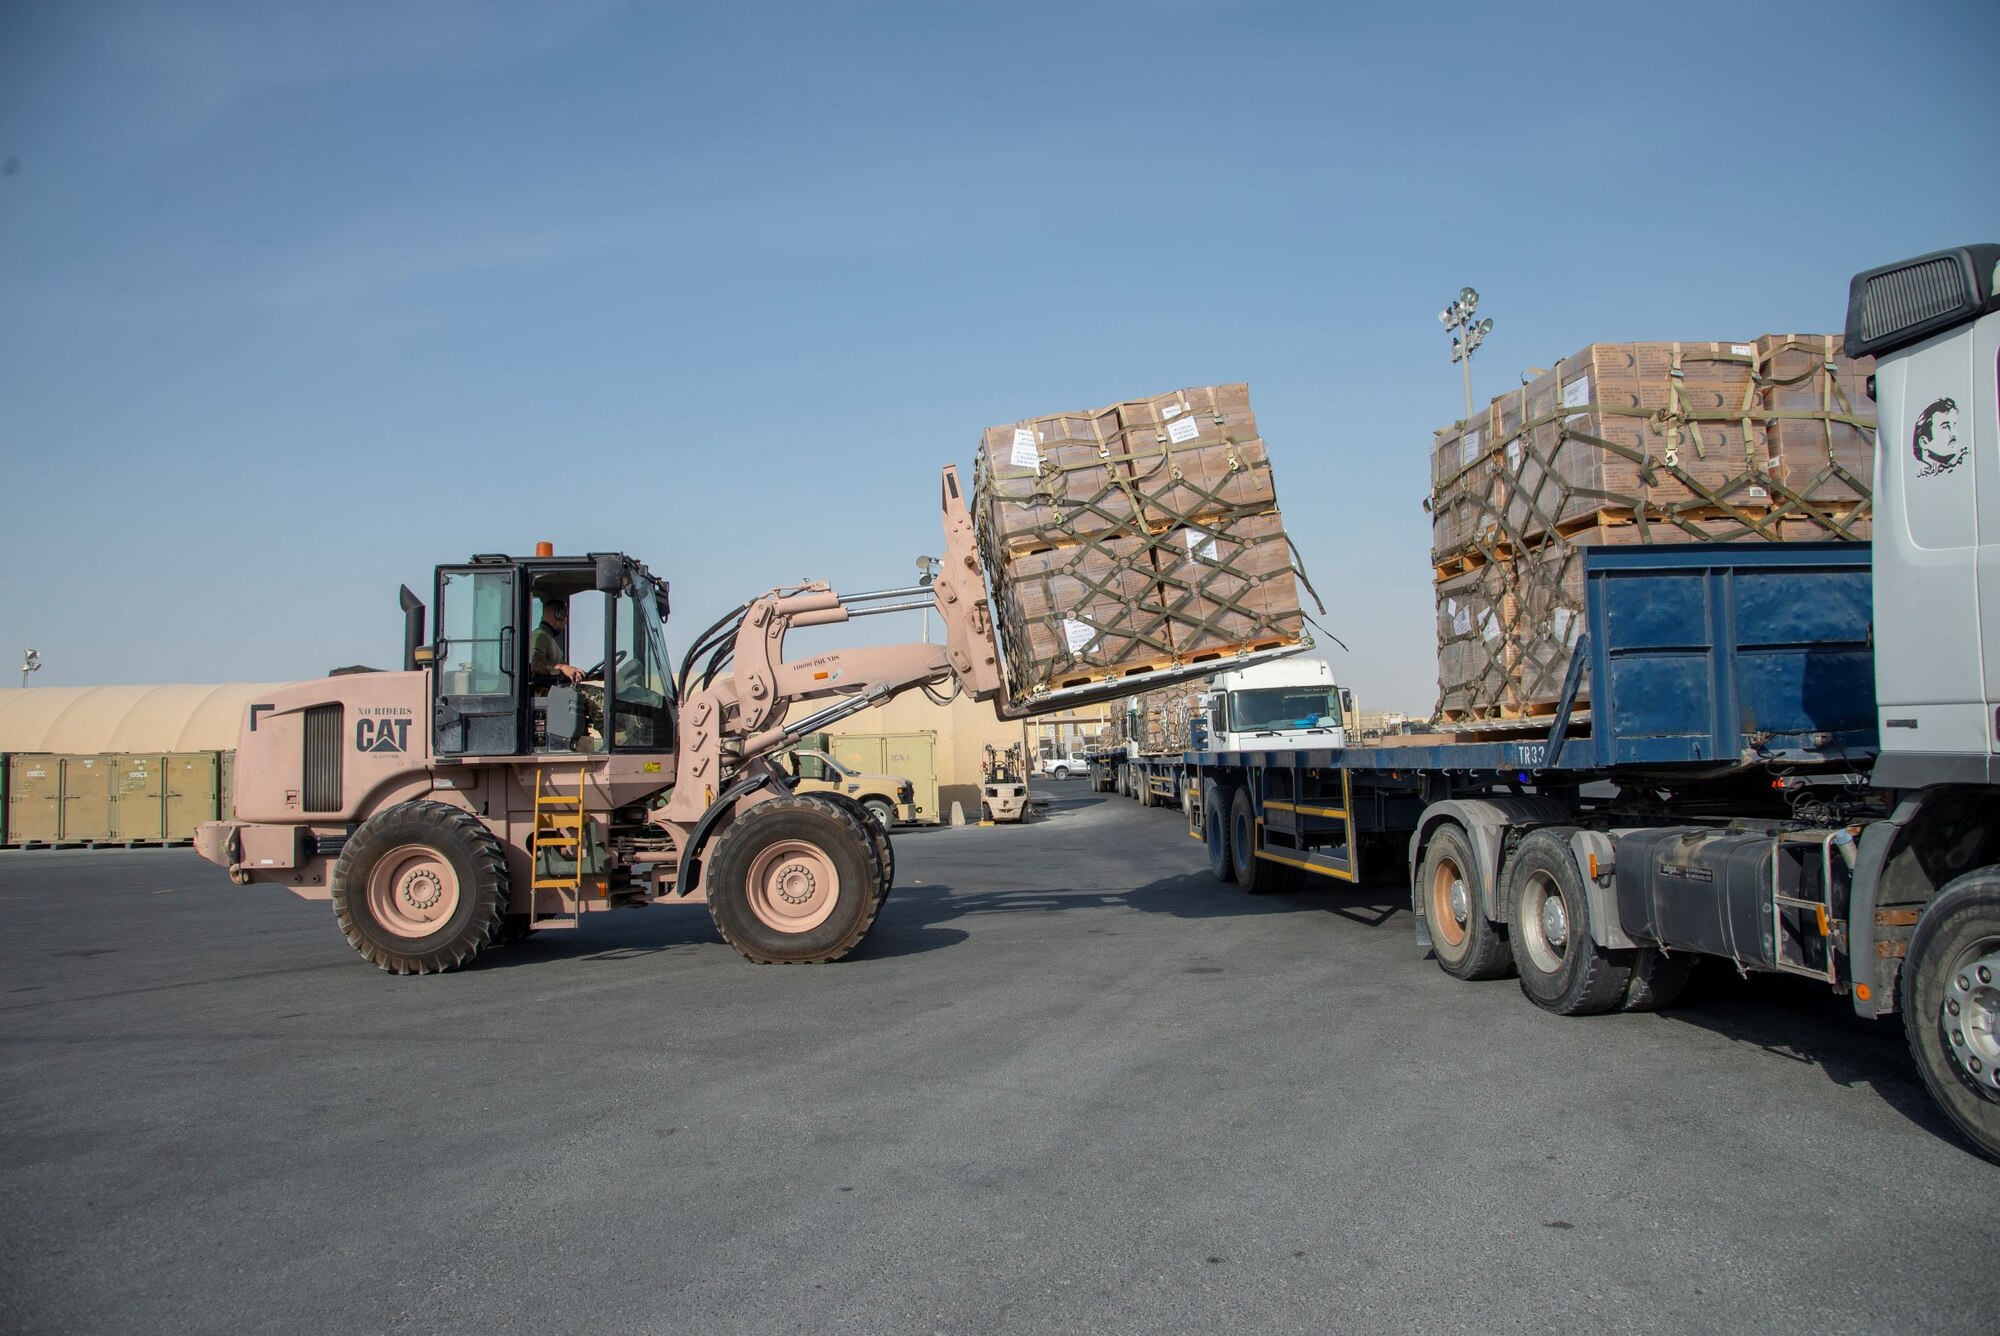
(322, 758)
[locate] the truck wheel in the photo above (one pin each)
(1257, 876)
(1142, 783)
(878, 837)
(1467, 946)
(1658, 979)
(793, 881)
(884, 810)
(420, 888)
(1215, 830)
(1563, 969)
(1951, 1005)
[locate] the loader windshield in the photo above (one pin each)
(641, 687)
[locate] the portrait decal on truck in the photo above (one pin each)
(1935, 440)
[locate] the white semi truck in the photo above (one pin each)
(1285, 703)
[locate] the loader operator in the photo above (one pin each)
(547, 665)
(546, 649)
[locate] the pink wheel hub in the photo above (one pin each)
(412, 891)
(793, 886)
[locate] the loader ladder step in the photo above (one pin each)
(558, 830)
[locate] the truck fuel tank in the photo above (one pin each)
(1766, 900)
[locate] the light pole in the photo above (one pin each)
(927, 569)
(1466, 336)
(31, 662)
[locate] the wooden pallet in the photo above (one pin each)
(1505, 714)
(1218, 655)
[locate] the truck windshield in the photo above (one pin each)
(1281, 707)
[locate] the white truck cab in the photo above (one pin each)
(1282, 705)
(1934, 325)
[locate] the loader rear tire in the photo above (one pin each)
(793, 881)
(421, 888)
(516, 928)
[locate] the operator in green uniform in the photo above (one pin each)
(547, 662)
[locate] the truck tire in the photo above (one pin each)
(1951, 1005)
(880, 844)
(1658, 979)
(1466, 944)
(1563, 969)
(1257, 876)
(420, 888)
(884, 810)
(793, 881)
(1142, 783)
(1215, 829)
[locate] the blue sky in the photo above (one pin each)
(298, 301)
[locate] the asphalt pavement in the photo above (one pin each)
(1069, 1084)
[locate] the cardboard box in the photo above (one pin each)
(1676, 429)
(1132, 538)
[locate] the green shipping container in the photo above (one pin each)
(191, 792)
(138, 796)
(86, 798)
(34, 799)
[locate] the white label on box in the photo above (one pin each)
(1565, 630)
(1513, 454)
(1759, 494)
(1077, 634)
(1742, 350)
(1489, 626)
(1468, 449)
(1026, 456)
(1186, 429)
(1173, 411)
(1202, 545)
(1461, 622)
(1576, 394)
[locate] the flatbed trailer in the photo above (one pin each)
(1715, 797)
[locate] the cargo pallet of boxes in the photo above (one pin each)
(1629, 443)
(1138, 539)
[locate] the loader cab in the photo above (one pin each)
(490, 700)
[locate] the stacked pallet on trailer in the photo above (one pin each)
(1626, 444)
(1134, 539)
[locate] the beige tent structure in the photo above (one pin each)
(88, 720)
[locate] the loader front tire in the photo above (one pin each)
(880, 846)
(792, 881)
(421, 888)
